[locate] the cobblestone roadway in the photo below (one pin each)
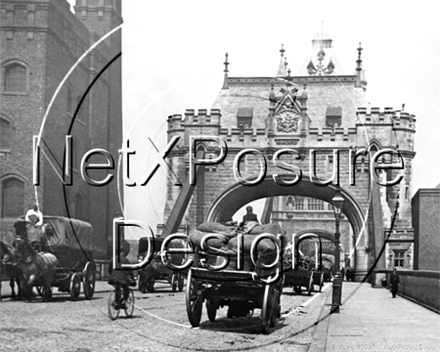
(159, 324)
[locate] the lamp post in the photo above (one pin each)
(337, 202)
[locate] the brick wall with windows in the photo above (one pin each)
(41, 41)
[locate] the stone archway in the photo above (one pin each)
(238, 195)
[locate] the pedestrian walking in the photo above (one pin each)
(394, 282)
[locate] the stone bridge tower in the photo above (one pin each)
(321, 109)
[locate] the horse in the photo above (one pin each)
(349, 274)
(38, 268)
(9, 267)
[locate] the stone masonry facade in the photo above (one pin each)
(46, 39)
(321, 109)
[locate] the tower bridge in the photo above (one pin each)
(322, 108)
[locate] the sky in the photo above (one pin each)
(173, 54)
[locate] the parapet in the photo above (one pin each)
(202, 117)
(399, 119)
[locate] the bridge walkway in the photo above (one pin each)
(370, 319)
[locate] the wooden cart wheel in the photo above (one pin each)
(211, 308)
(194, 300)
(321, 282)
(150, 284)
(75, 286)
(89, 281)
(113, 309)
(180, 282)
(129, 304)
(265, 311)
(174, 282)
(310, 286)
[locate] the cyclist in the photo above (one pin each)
(121, 279)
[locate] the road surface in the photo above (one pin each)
(159, 323)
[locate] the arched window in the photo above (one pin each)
(5, 133)
(82, 112)
(15, 78)
(290, 202)
(12, 198)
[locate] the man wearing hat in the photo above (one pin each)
(34, 223)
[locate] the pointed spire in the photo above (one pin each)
(282, 66)
(225, 82)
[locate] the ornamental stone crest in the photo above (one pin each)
(287, 119)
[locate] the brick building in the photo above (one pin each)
(41, 40)
(322, 108)
(426, 222)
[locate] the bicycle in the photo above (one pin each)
(115, 303)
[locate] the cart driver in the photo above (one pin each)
(122, 279)
(34, 230)
(250, 216)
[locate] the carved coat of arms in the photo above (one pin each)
(287, 121)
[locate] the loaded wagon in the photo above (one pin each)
(305, 272)
(220, 282)
(156, 270)
(71, 241)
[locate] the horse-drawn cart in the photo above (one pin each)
(156, 269)
(71, 242)
(241, 290)
(305, 272)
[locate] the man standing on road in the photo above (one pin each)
(394, 282)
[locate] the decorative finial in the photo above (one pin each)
(359, 52)
(225, 81)
(226, 63)
(285, 62)
(358, 82)
(282, 50)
